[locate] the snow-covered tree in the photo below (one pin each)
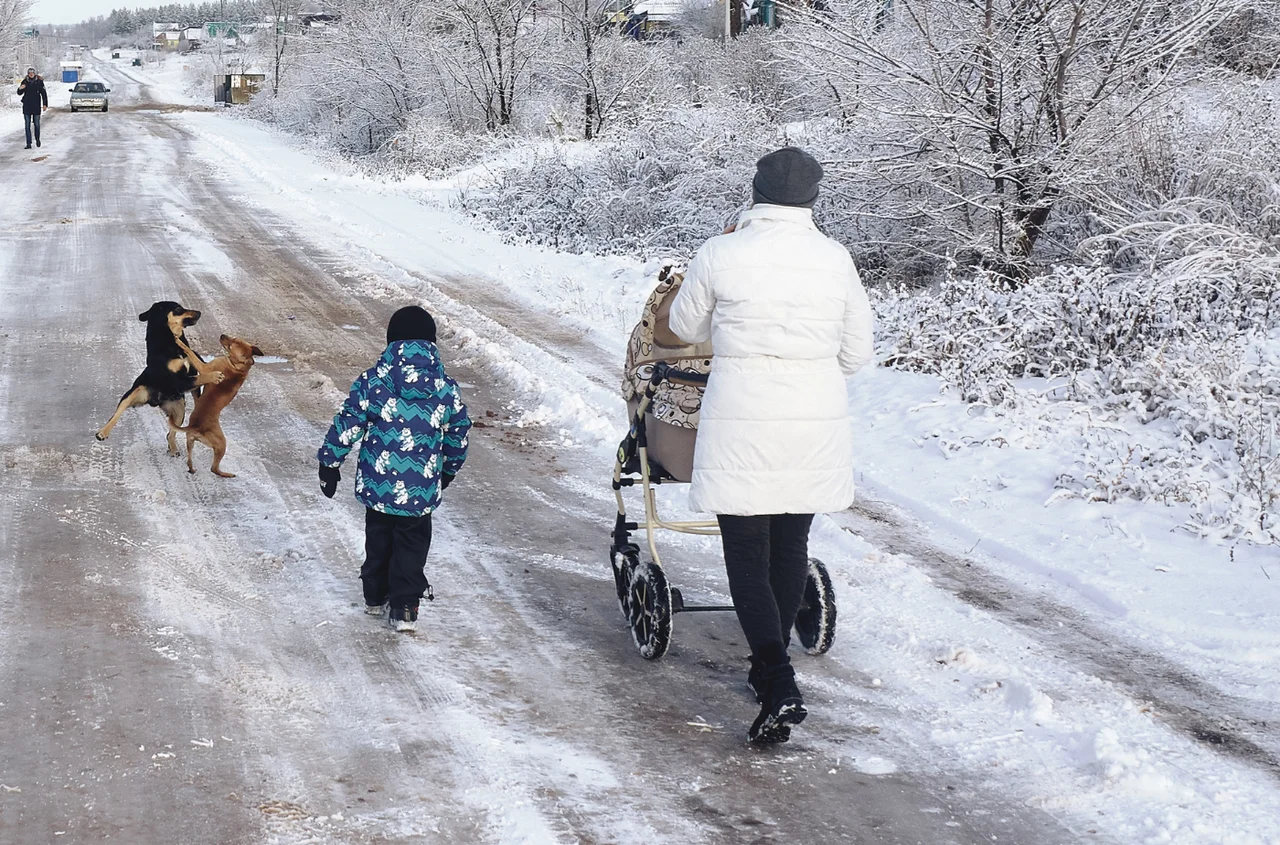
(486, 49)
(282, 16)
(13, 17)
(594, 60)
(122, 22)
(978, 119)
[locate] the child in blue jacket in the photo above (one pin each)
(414, 427)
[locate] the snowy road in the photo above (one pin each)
(186, 650)
(183, 647)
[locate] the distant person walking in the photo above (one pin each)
(788, 318)
(35, 99)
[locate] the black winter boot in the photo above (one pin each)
(755, 679)
(403, 618)
(781, 706)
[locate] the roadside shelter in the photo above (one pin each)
(236, 88)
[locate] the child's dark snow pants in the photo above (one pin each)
(395, 549)
(767, 560)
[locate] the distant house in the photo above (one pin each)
(645, 19)
(190, 39)
(165, 36)
(315, 16)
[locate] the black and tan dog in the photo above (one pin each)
(172, 369)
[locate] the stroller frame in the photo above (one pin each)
(644, 594)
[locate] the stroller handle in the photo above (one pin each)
(665, 372)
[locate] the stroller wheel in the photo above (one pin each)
(649, 610)
(624, 560)
(816, 621)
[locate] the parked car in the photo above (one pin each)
(137, 63)
(89, 95)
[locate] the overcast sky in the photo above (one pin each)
(74, 11)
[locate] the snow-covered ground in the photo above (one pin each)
(10, 121)
(11, 115)
(166, 75)
(987, 697)
(1003, 696)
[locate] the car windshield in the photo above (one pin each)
(89, 88)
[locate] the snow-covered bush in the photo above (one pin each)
(654, 191)
(1249, 40)
(432, 148)
(1185, 348)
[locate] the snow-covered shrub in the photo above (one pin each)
(1184, 347)
(1249, 40)
(699, 71)
(431, 148)
(1210, 149)
(657, 190)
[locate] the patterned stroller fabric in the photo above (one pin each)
(652, 342)
(672, 421)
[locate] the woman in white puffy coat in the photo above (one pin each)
(789, 320)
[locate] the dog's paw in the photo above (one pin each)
(99, 436)
(219, 378)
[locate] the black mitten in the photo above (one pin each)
(329, 478)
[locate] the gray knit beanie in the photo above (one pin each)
(788, 176)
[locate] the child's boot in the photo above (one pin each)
(404, 618)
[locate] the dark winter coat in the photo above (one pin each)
(414, 426)
(33, 95)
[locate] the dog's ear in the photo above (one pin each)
(144, 316)
(256, 352)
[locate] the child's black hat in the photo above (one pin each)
(411, 323)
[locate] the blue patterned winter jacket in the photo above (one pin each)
(414, 427)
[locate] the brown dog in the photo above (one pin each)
(204, 424)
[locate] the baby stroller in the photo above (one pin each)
(663, 385)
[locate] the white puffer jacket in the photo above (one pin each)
(788, 319)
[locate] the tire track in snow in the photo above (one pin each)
(1223, 723)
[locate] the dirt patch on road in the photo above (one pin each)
(162, 108)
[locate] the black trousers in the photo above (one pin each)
(395, 558)
(767, 559)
